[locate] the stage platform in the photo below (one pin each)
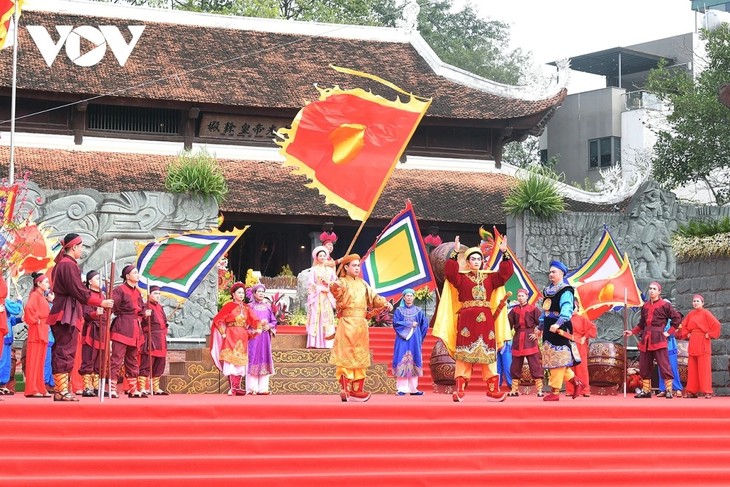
(302, 440)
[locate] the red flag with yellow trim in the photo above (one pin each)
(349, 141)
(7, 9)
(597, 297)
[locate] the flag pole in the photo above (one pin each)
(11, 169)
(149, 342)
(626, 327)
(352, 242)
(106, 370)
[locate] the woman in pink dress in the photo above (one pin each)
(320, 302)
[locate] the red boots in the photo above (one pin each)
(493, 391)
(344, 388)
(358, 392)
(459, 393)
(578, 387)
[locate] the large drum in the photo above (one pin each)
(682, 360)
(440, 255)
(606, 363)
(442, 365)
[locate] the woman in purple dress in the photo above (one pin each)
(260, 362)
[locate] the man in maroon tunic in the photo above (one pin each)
(126, 333)
(653, 341)
(158, 334)
(66, 316)
(524, 319)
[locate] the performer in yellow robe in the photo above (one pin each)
(351, 349)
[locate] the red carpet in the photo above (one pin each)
(317, 440)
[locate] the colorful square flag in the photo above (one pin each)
(398, 260)
(179, 263)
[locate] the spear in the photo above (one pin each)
(149, 343)
(106, 369)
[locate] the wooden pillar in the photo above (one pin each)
(78, 122)
(189, 127)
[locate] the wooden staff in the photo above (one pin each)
(106, 362)
(149, 342)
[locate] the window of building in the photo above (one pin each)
(604, 152)
(543, 156)
(140, 120)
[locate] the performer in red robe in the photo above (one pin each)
(92, 343)
(700, 326)
(524, 319)
(35, 315)
(66, 315)
(155, 328)
(126, 334)
(475, 333)
(583, 330)
(655, 314)
(229, 332)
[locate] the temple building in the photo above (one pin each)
(108, 95)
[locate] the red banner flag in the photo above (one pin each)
(597, 297)
(7, 9)
(349, 141)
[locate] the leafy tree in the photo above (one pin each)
(695, 147)
(468, 42)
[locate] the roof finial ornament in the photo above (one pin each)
(409, 21)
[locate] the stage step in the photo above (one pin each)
(185, 440)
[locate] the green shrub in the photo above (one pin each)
(536, 192)
(705, 228)
(197, 173)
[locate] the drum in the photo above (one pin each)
(682, 360)
(442, 365)
(438, 257)
(606, 363)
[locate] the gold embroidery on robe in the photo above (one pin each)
(465, 332)
(236, 356)
(477, 352)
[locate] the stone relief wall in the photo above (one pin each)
(130, 217)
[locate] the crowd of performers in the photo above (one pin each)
(65, 318)
(67, 332)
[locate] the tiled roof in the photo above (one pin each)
(267, 188)
(265, 70)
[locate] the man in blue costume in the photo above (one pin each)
(558, 353)
(14, 310)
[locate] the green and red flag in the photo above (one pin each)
(604, 261)
(179, 263)
(349, 141)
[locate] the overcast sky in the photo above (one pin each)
(556, 29)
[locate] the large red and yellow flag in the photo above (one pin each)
(349, 141)
(598, 296)
(7, 9)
